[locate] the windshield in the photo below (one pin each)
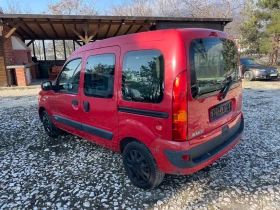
(213, 61)
(248, 61)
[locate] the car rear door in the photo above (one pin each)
(99, 114)
(212, 62)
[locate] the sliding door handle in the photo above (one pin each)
(86, 106)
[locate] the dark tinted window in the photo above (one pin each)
(142, 76)
(213, 62)
(99, 76)
(69, 78)
(248, 61)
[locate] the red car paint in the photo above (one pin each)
(155, 132)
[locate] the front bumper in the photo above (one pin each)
(170, 157)
(265, 75)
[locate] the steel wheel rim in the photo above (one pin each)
(138, 167)
(46, 123)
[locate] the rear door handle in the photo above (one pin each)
(75, 102)
(86, 106)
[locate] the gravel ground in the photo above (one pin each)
(38, 172)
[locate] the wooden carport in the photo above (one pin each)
(85, 29)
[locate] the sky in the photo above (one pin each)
(41, 5)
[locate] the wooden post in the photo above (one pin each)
(54, 50)
(85, 28)
(44, 49)
(34, 54)
(64, 49)
(3, 72)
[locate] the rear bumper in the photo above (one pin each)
(170, 160)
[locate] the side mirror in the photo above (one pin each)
(47, 85)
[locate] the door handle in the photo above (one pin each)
(86, 106)
(75, 102)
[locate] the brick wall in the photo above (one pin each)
(21, 77)
(21, 56)
(9, 47)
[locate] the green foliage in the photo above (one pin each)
(261, 32)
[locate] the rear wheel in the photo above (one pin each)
(49, 127)
(248, 75)
(140, 166)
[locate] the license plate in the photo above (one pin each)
(220, 110)
(273, 75)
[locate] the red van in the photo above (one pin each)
(170, 101)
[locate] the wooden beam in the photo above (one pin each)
(147, 27)
(1, 27)
(78, 43)
(95, 32)
(79, 35)
(29, 43)
(43, 30)
(141, 27)
(54, 30)
(20, 28)
(107, 31)
(32, 32)
(12, 31)
(119, 28)
(65, 31)
(128, 29)
(73, 22)
(85, 28)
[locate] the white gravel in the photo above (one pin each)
(38, 172)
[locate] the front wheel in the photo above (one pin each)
(140, 166)
(49, 127)
(248, 75)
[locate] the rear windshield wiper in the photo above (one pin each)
(226, 88)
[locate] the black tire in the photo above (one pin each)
(248, 75)
(49, 127)
(140, 166)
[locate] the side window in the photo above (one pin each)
(69, 78)
(143, 76)
(99, 76)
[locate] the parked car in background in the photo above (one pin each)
(251, 69)
(169, 101)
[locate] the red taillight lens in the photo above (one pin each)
(179, 119)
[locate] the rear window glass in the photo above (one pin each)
(142, 76)
(213, 61)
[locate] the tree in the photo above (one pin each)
(261, 32)
(72, 7)
(14, 7)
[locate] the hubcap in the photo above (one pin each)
(247, 76)
(46, 123)
(138, 167)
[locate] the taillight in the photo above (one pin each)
(179, 108)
